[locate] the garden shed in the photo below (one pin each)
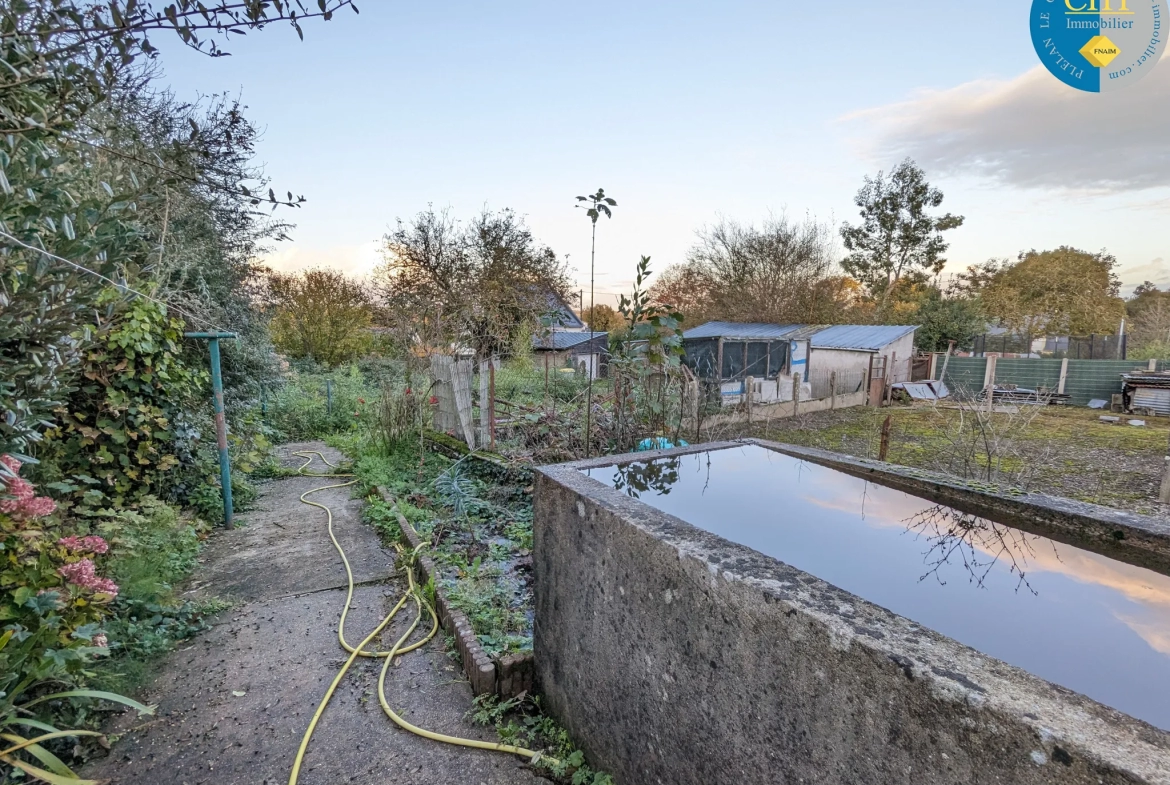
(847, 349)
(773, 355)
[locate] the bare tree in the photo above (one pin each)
(479, 284)
(781, 271)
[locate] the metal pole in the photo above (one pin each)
(225, 466)
(263, 404)
(329, 396)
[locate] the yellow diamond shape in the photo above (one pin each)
(1100, 51)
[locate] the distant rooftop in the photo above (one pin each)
(560, 340)
(866, 337)
(560, 314)
(742, 330)
(860, 336)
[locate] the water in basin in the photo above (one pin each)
(1076, 618)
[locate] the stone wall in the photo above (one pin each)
(674, 656)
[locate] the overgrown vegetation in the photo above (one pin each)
(521, 721)
(126, 217)
(1062, 451)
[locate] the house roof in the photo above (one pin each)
(560, 314)
(560, 340)
(866, 337)
(742, 330)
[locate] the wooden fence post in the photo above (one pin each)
(795, 393)
(492, 402)
(869, 383)
(989, 378)
(1164, 492)
(885, 444)
(749, 389)
(833, 390)
(1063, 376)
(485, 416)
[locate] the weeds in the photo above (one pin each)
(521, 721)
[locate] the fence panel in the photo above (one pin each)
(965, 374)
(1088, 379)
(1029, 373)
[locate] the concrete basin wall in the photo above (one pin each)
(674, 656)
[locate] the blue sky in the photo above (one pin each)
(685, 112)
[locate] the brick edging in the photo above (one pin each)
(506, 676)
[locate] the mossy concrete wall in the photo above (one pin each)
(674, 656)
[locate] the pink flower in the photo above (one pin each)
(91, 544)
(81, 573)
(95, 544)
(100, 640)
(22, 501)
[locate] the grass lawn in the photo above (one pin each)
(1063, 451)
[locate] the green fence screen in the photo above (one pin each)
(1086, 379)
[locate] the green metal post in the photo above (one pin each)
(263, 404)
(329, 396)
(225, 467)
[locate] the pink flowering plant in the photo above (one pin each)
(52, 597)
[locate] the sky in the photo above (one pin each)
(686, 113)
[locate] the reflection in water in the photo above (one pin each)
(977, 543)
(638, 478)
(1085, 621)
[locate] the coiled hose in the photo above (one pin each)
(400, 646)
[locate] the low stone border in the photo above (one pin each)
(506, 676)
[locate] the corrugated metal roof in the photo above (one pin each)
(559, 340)
(741, 330)
(869, 337)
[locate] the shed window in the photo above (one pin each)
(757, 360)
(733, 359)
(701, 356)
(777, 357)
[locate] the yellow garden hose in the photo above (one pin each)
(412, 593)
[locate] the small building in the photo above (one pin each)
(773, 355)
(848, 348)
(585, 352)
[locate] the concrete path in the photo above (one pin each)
(278, 645)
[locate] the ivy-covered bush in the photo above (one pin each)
(122, 432)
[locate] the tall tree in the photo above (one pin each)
(71, 189)
(1065, 291)
(897, 237)
(782, 271)
(602, 318)
(1148, 311)
(481, 284)
(943, 317)
(322, 314)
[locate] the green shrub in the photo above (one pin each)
(115, 436)
(300, 409)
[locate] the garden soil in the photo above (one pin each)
(234, 702)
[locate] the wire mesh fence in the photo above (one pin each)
(846, 381)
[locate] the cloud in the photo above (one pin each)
(1156, 270)
(358, 260)
(1032, 131)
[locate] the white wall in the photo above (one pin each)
(899, 366)
(767, 390)
(839, 360)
